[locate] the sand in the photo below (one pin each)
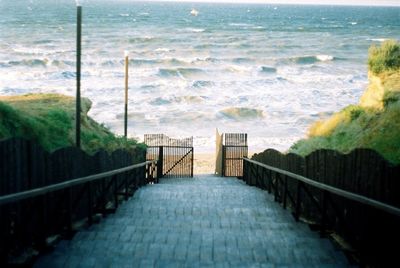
(204, 163)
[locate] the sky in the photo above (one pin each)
(319, 2)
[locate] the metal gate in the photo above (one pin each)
(234, 148)
(175, 156)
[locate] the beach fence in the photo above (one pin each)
(174, 156)
(354, 195)
(44, 195)
(231, 148)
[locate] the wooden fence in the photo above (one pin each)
(24, 165)
(174, 156)
(363, 172)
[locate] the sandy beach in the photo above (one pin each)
(204, 163)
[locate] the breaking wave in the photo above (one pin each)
(241, 113)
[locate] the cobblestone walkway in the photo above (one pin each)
(202, 222)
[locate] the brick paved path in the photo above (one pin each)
(202, 222)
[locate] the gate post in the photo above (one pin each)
(223, 160)
(160, 162)
(191, 168)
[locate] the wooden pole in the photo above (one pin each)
(78, 77)
(126, 94)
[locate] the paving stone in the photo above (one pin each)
(204, 221)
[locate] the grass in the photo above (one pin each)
(50, 120)
(384, 58)
(374, 123)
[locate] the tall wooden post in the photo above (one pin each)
(78, 76)
(126, 94)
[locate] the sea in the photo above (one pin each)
(264, 69)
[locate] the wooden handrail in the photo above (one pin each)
(349, 195)
(66, 184)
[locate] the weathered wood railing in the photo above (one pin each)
(61, 206)
(330, 207)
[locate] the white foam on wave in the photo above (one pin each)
(377, 39)
(196, 30)
(162, 49)
(324, 57)
(241, 24)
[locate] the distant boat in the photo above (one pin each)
(194, 12)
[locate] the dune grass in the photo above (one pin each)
(50, 120)
(385, 57)
(374, 123)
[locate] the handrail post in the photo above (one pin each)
(276, 187)
(68, 211)
(324, 212)
(126, 185)
(90, 205)
(245, 170)
(285, 190)
(115, 182)
(43, 223)
(160, 161)
(298, 201)
(269, 179)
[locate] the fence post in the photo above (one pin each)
(244, 178)
(90, 205)
(269, 178)
(115, 182)
(324, 212)
(160, 162)
(285, 190)
(191, 171)
(276, 187)
(298, 201)
(68, 211)
(223, 160)
(126, 185)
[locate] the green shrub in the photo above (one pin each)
(384, 58)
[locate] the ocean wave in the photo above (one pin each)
(195, 30)
(267, 69)
(241, 25)
(238, 69)
(44, 41)
(258, 28)
(68, 75)
(202, 83)
(160, 101)
(208, 59)
(312, 59)
(30, 62)
(179, 72)
(242, 60)
(111, 63)
(186, 99)
(143, 39)
(163, 49)
(241, 113)
(61, 63)
(377, 39)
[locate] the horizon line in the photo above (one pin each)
(273, 2)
